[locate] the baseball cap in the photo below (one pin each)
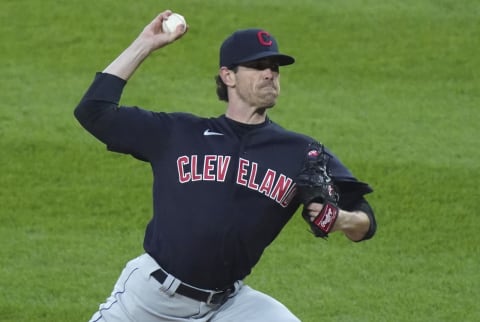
(251, 44)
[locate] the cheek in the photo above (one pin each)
(244, 86)
(244, 90)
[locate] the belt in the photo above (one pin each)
(209, 297)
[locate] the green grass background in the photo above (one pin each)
(392, 87)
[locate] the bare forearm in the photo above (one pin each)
(150, 39)
(354, 224)
(129, 60)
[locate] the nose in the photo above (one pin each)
(268, 73)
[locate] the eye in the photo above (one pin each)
(262, 65)
(275, 67)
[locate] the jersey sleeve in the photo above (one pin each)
(351, 190)
(130, 130)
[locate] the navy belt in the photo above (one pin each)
(209, 297)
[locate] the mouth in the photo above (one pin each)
(268, 87)
(268, 96)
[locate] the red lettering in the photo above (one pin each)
(222, 167)
(289, 196)
(195, 175)
(208, 167)
(281, 187)
(182, 175)
(242, 172)
(251, 181)
(267, 183)
(215, 167)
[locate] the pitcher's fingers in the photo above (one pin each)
(156, 23)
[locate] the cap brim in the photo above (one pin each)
(280, 58)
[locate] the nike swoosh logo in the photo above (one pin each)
(208, 132)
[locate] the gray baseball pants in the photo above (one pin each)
(138, 297)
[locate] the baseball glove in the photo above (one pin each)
(314, 184)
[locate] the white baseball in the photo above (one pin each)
(170, 24)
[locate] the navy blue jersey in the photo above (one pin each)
(222, 191)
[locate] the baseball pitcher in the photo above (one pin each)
(223, 187)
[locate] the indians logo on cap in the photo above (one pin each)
(264, 38)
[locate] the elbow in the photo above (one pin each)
(365, 223)
(81, 112)
(370, 225)
(77, 111)
(366, 235)
(90, 113)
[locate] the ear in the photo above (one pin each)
(228, 76)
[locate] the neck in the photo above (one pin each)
(246, 115)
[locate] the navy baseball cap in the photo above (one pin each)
(248, 45)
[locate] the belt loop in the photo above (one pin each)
(237, 285)
(170, 285)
